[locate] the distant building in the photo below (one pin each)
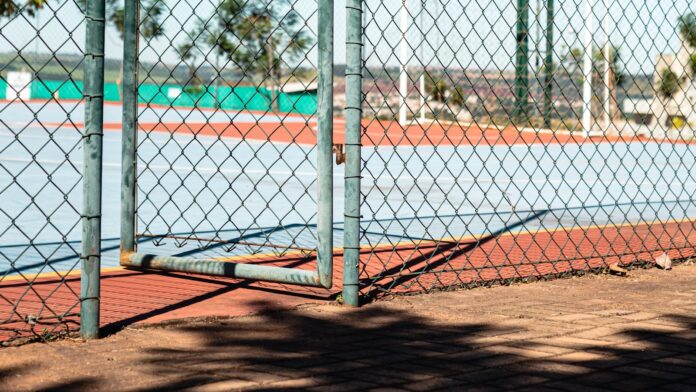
(682, 107)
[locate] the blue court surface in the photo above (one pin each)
(263, 192)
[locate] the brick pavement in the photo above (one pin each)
(590, 333)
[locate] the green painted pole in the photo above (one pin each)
(353, 113)
(130, 133)
(325, 143)
(92, 182)
(521, 65)
(548, 65)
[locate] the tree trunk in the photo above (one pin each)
(271, 74)
(614, 113)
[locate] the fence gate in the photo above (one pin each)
(227, 139)
(516, 140)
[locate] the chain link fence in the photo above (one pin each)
(211, 173)
(481, 143)
(42, 122)
(229, 144)
(520, 140)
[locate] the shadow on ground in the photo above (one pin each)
(337, 350)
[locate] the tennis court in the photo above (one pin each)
(415, 196)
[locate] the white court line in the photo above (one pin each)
(376, 180)
(164, 168)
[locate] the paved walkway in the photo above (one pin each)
(130, 296)
(590, 333)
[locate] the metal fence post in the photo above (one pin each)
(353, 113)
(92, 146)
(325, 143)
(548, 64)
(522, 58)
(130, 132)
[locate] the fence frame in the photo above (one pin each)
(92, 183)
(353, 116)
(323, 275)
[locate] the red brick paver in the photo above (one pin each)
(623, 334)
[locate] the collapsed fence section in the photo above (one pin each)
(50, 159)
(517, 140)
(225, 190)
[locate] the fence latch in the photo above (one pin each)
(340, 156)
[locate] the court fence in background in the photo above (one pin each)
(229, 98)
(475, 143)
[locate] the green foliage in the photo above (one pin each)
(615, 63)
(10, 8)
(253, 35)
(457, 97)
(151, 13)
(687, 28)
(692, 64)
(669, 84)
(572, 60)
(436, 89)
(188, 54)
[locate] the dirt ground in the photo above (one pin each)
(588, 333)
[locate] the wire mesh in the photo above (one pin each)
(519, 140)
(41, 125)
(227, 119)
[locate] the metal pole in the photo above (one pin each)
(353, 113)
(130, 133)
(92, 183)
(607, 65)
(522, 59)
(587, 71)
(325, 143)
(403, 77)
(548, 65)
(421, 84)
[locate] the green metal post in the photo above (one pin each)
(548, 65)
(130, 133)
(92, 182)
(351, 237)
(325, 143)
(522, 60)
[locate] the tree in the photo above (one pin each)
(253, 36)
(31, 7)
(616, 75)
(189, 55)
(571, 62)
(456, 98)
(687, 28)
(436, 89)
(151, 14)
(151, 18)
(670, 83)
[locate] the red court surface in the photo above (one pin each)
(380, 133)
(131, 297)
(301, 129)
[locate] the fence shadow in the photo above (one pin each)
(379, 347)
